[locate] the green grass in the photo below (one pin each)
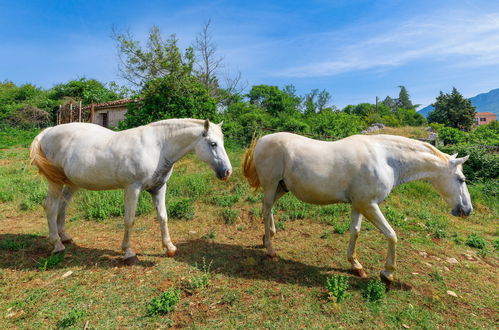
(241, 288)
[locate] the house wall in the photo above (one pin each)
(482, 119)
(114, 115)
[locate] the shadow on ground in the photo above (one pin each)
(23, 251)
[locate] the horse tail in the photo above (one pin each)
(52, 172)
(249, 170)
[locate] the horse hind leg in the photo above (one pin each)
(52, 208)
(65, 199)
(355, 225)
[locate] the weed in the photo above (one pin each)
(163, 304)
(394, 217)
(182, 209)
(436, 276)
(256, 212)
(198, 281)
(326, 234)
(212, 234)
(225, 200)
(100, 205)
(337, 286)
(230, 298)
(254, 198)
(374, 291)
(50, 262)
(71, 318)
(33, 199)
(279, 225)
(437, 226)
(229, 216)
(341, 227)
(496, 243)
(476, 241)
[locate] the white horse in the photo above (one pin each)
(360, 170)
(81, 155)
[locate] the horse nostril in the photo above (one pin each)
(228, 172)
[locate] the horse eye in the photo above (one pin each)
(213, 144)
(462, 180)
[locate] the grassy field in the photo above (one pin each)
(221, 278)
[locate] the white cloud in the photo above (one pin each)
(460, 39)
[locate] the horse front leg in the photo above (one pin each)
(355, 225)
(51, 206)
(373, 214)
(268, 219)
(158, 197)
(132, 193)
(67, 194)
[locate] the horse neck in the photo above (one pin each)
(417, 165)
(176, 137)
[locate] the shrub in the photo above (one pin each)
(374, 291)
(450, 135)
(476, 241)
(481, 165)
(336, 286)
(163, 304)
(181, 209)
(71, 318)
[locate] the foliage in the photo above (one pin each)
(273, 100)
(374, 291)
(15, 137)
(163, 304)
(450, 135)
(337, 124)
(172, 96)
(198, 281)
(485, 134)
(476, 241)
(160, 58)
(453, 110)
(88, 90)
(229, 216)
(482, 165)
(337, 285)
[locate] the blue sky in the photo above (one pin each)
(356, 50)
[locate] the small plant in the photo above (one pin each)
(437, 226)
(476, 241)
(198, 281)
(279, 225)
(229, 216)
(374, 291)
(50, 262)
(12, 245)
(230, 298)
(71, 318)
(212, 234)
(336, 286)
(496, 243)
(254, 198)
(326, 234)
(341, 227)
(226, 200)
(436, 276)
(182, 209)
(163, 304)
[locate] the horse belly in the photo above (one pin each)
(319, 192)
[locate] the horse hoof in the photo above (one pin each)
(130, 261)
(58, 253)
(360, 273)
(68, 241)
(387, 281)
(272, 256)
(171, 253)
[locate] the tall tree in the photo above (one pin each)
(315, 101)
(158, 59)
(453, 110)
(404, 100)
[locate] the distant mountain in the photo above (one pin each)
(485, 102)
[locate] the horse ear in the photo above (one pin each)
(458, 161)
(206, 125)
(220, 124)
(453, 156)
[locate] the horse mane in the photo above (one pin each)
(174, 126)
(414, 145)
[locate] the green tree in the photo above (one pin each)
(160, 58)
(404, 100)
(273, 100)
(88, 90)
(453, 110)
(315, 101)
(171, 97)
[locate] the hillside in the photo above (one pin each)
(484, 102)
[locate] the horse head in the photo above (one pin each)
(451, 184)
(210, 149)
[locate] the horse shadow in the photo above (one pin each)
(26, 251)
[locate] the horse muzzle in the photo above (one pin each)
(459, 211)
(224, 173)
